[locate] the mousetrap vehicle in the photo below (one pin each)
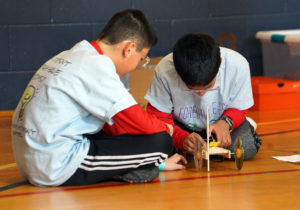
(212, 148)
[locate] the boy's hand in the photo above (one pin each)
(189, 142)
(175, 162)
(221, 129)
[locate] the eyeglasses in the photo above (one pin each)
(144, 62)
(184, 87)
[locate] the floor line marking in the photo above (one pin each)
(8, 166)
(11, 186)
(153, 182)
(277, 132)
(278, 121)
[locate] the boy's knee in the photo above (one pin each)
(164, 142)
(249, 149)
(251, 141)
(249, 152)
(251, 146)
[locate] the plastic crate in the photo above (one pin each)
(275, 94)
(281, 53)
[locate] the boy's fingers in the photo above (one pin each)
(179, 166)
(202, 141)
(190, 150)
(181, 159)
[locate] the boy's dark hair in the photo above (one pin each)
(196, 59)
(129, 24)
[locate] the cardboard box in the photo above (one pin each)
(281, 53)
(275, 94)
(140, 80)
(139, 84)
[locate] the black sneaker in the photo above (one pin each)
(140, 175)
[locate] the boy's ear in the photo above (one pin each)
(129, 48)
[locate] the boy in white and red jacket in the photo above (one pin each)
(58, 133)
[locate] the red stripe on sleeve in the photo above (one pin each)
(237, 116)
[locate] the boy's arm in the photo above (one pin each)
(178, 134)
(134, 120)
(237, 116)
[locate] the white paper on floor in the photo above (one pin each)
(290, 158)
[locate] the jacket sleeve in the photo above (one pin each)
(178, 134)
(237, 116)
(134, 120)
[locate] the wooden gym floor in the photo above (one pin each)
(263, 183)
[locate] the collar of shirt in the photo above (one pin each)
(97, 47)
